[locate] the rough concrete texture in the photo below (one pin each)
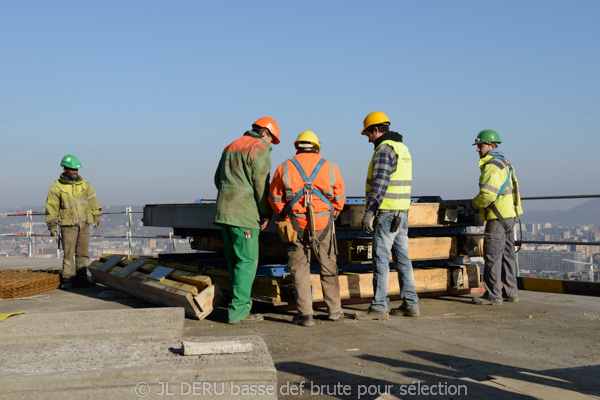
(545, 338)
(126, 369)
(68, 326)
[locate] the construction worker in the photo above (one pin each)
(72, 204)
(499, 204)
(243, 210)
(307, 194)
(389, 180)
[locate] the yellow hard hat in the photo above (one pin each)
(375, 118)
(310, 137)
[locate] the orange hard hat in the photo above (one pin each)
(271, 125)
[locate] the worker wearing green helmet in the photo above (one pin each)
(72, 204)
(499, 204)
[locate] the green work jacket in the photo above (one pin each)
(71, 202)
(494, 173)
(242, 179)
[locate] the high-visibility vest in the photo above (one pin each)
(288, 183)
(397, 195)
(496, 187)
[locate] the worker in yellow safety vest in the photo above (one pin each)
(499, 203)
(72, 205)
(389, 182)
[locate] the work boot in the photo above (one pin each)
(372, 314)
(67, 284)
(336, 316)
(82, 280)
(249, 319)
(306, 321)
(405, 311)
(482, 301)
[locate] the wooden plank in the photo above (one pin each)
(423, 214)
(200, 281)
(131, 267)
(432, 248)
(149, 291)
(360, 285)
(111, 262)
(419, 214)
(160, 273)
(209, 299)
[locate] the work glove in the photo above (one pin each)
(367, 222)
(53, 230)
(96, 221)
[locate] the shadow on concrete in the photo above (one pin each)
(319, 382)
(584, 380)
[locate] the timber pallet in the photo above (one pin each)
(172, 285)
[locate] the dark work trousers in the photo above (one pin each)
(500, 260)
(299, 263)
(75, 241)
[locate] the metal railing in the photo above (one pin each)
(128, 234)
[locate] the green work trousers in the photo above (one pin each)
(75, 241)
(241, 251)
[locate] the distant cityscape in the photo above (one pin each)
(555, 261)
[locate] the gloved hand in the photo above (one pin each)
(96, 221)
(53, 230)
(367, 222)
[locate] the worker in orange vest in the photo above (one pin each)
(307, 194)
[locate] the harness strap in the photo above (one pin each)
(492, 206)
(308, 191)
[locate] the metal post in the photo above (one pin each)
(172, 241)
(128, 212)
(29, 232)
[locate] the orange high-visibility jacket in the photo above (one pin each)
(287, 181)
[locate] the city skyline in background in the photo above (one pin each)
(148, 93)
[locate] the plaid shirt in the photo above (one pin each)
(384, 163)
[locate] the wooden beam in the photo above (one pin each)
(110, 262)
(130, 268)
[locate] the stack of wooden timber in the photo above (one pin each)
(358, 287)
(173, 285)
(432, 248)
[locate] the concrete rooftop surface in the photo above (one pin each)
(546, 346)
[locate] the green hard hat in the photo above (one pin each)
(487, 136)
(70, 161)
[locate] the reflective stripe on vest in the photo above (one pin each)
(397, 195)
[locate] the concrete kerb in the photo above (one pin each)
(54, 327)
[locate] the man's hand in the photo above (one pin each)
(263, 223)
(367, 222)
(53, 230)
(96, 221)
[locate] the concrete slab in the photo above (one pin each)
(54, 327)
(130, 369)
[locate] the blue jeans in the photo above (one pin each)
(384, 242)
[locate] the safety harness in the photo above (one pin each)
(306, 192)
(492, 207)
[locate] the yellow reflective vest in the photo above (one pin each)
(494, 172)
(397, 195)
(71, 202)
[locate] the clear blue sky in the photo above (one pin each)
(147, 93)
